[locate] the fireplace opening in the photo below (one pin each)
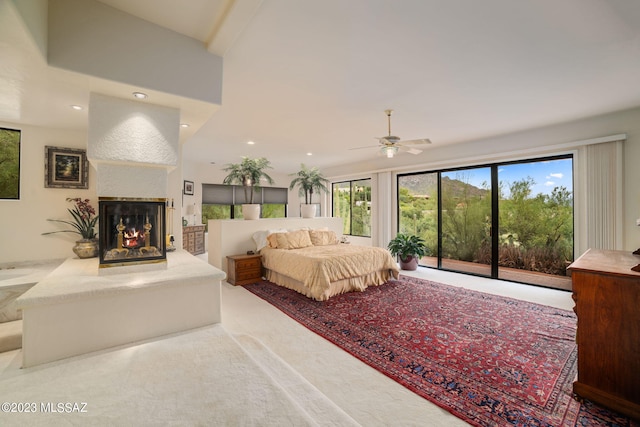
(132, 231)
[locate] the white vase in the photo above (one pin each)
(251, 211)
(308, 211)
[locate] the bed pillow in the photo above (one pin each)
(293, 239)
(272, 242)
(323, 237)
(260, 237)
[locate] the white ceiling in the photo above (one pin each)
(316, 76)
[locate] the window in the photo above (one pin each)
(352, 203)
(535, 227)
(9, 164)
(274, 202)
(219, 201)
(511, 221)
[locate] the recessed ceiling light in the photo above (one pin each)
(140, 95)
(77, 107)
(184, 125)
(309, 154)
(250, 142)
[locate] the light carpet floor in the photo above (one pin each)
(202, 377)
(173, 381)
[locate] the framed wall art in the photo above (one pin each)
(188, 188)
(65, 168)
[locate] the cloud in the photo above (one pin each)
(549, 183)
(556, 175)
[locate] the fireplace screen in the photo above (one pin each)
(132, 231)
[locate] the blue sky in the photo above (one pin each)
(546, 174)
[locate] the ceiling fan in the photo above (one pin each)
(391, 145)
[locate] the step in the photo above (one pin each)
(10, 335)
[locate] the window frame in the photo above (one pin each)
(368, 202)
(17, 163)
(494, 189)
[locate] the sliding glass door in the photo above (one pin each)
(512, 221)
(536, 222)
(418, 211)
(465, 209)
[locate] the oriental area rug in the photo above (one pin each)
(487, 359)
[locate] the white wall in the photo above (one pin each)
(235, 236)
(91, 38)
(34, 15)
(22, 221)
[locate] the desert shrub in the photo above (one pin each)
(543, 260)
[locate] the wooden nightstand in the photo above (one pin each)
(244, 269)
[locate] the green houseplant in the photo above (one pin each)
(83, 223)
(409, 249)
(309, 181)
(248, 173)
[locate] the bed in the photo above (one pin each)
(316, 264)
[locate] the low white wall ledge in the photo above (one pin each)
(74, 310)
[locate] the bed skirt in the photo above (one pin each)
(351, 284)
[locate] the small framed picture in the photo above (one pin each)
(188, 188)
(65, 168)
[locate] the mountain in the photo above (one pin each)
(426, 184)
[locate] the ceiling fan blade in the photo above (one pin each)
(416, 141)
(413, 150)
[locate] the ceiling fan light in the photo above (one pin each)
(389, 151)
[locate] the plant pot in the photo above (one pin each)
(86, 248)
(251, 211)
(308, 211)
(409, 264)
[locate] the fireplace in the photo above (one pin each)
(132, 231)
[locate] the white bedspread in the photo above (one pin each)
(317, 267)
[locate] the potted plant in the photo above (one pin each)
(248, 173)
(84, 223)
(409, 249)
(309, 180)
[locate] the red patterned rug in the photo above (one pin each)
(487, 359)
